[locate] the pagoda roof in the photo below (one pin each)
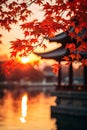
(59, 53)
(54, 54)
(63, 38)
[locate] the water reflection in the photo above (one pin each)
(26, 111)
(24, 108)
(30, 110)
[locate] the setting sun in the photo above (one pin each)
(25, 60)
(29, 59)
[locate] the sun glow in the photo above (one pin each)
(25, 60)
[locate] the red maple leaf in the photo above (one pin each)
(78, 56)
(36, 63)
(0, 35)
(55, 68)
(71, 47)
(79, 39)
(66, 58)
(72, 56)
(33, 40)
(39, 2)
(0, 42)
(13, 54)
(84, 62)
(44, 46)
(26, 33)
(23, 18)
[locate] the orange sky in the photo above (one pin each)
(17, 33)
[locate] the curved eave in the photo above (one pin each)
(59, 53)
(58, 37)
(55, 54)
(62, 37)
(65, 38)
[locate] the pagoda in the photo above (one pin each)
(72, 102)
(58, 54)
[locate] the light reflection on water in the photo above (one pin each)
(24, 108)
(26, 111)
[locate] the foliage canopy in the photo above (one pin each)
(59, 15)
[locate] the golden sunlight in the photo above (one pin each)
(29, 59)
(25, 60)
(24, 108)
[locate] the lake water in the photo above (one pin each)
(31, 110)
(21, 110)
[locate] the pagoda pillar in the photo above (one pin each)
(70, 74)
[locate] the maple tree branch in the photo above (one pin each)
(31, 3)
(39, 44)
